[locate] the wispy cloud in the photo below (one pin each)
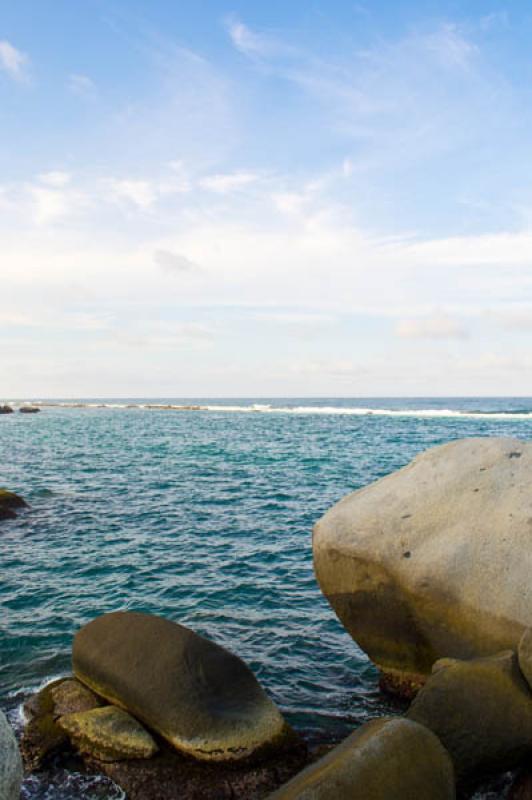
(14, 62)
(224, 183)
(175, 262)
(436, 327)
(81, 85)
(256, 44)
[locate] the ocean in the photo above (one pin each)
(203, 515)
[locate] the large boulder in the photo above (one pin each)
(108, 734)
(205, 701)
(9, 501)
(385, 759)
(481, 710)
(10, 762)
(435, 559)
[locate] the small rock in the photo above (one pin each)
(108, 734)
(71, 697)
(10, 762)
(6, 410)
(202, 699)
(9, 501)
(42, 737)
(481, 710)
(29, 410)
(385, 759)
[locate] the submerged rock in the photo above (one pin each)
(481, 710)
(385, 759)
(108, 734)
(10, 762)
(435, 559)
(9, 501)
(202, 699)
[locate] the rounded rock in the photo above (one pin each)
(481, 710)
(11, 773)
(433, 560)
(204, 700)
(108, 734)
(9, 501)
(385, 759)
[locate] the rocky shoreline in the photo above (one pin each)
(428, 569)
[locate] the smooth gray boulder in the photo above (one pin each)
(481, 710)
(204, 700)
(386, 759)
(10, 762)
(435, 559)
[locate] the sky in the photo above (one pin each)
(224, 199)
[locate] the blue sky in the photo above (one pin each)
(304, 198)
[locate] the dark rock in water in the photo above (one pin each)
(9, 501)
(385, 759)
(521, 788)
(108, 734)
(202, 699)
(433, 560)
(10, 762)
(172, 776)
(29, 410)
(6, 410)
(481, 710)
(42, 737)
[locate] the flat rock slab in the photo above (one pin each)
(386, 759)
(202, 699)
(108, 734)
(435, 559)
(171, 776)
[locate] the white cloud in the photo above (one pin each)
(224, 183)
(252, 43)
(81, 85)
(14, 62)
(56, 178)
(436, 327)
(139, 193)
(174, 262)
(451, 47)
(514, 318)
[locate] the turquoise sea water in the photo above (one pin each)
(205, 517)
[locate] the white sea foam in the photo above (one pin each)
(268, 408)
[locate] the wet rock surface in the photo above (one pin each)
(10, 503)
(202, 699)
(481, 710)
(385, 759)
